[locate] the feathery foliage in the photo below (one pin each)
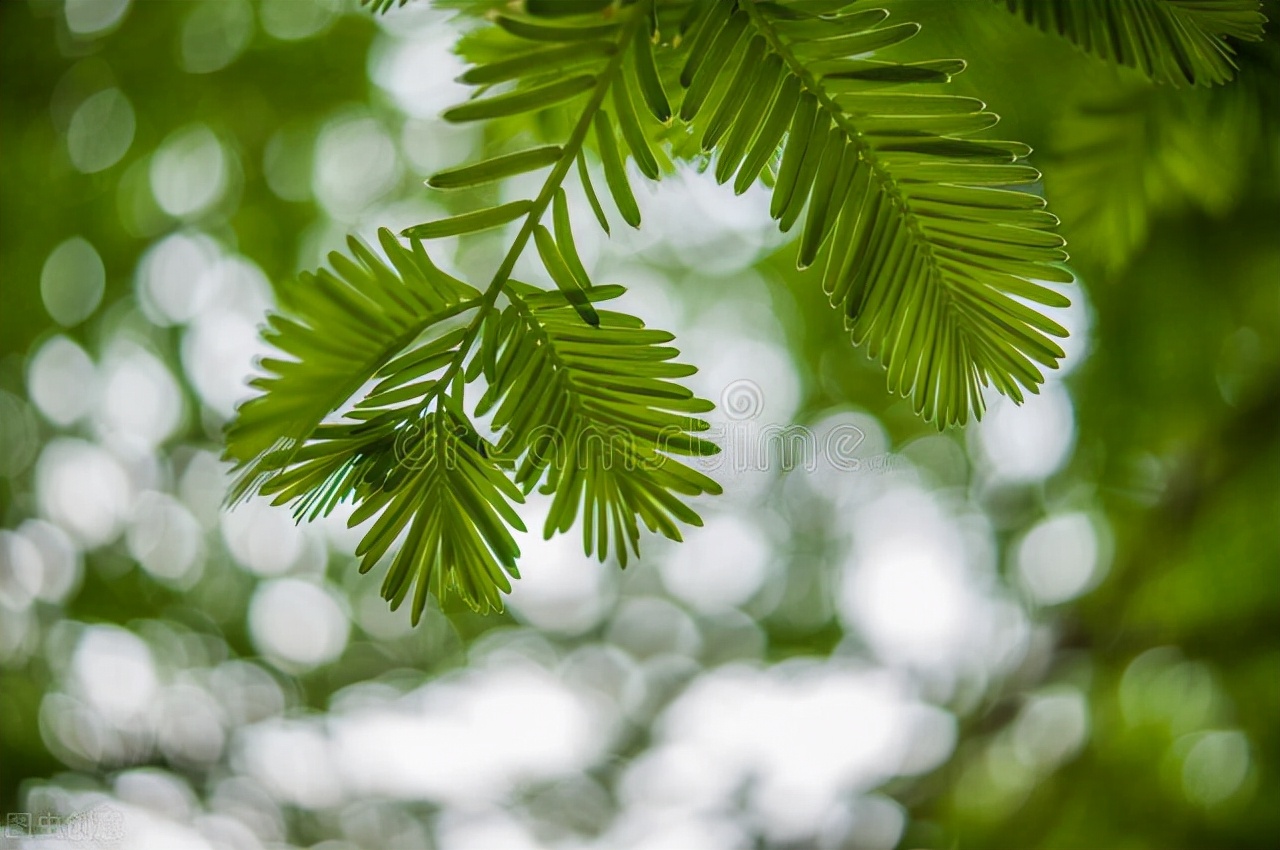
(932, 241)
(338, 328)
(561, 374)
(1181, 42)
(930, 252)
(601, 431)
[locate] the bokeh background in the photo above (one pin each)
(1057, 628)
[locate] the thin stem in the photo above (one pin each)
(571, 148)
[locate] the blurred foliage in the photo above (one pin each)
(1139, 715)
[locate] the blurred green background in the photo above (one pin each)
(1057, 628)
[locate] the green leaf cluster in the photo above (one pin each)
(931, 238)
(931, 250)
(1180, 42)
(607, 418)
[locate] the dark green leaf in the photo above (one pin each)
(741, 86)
(544, 61)
(655, 97)
(615, 173)
(564, 278)
(496, 168)
(632, 132)
(471, 222)
(766, 141)
(564, 239)
(535, 30)
(718, 54)
(521, 100)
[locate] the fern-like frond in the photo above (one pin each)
(1181, 42)
(931, 253)
(425, 474)
(428, 481)
(404, 451)
(336, 329)
(453, 503)
(540, 54)
(417, 471)
(596, 416)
